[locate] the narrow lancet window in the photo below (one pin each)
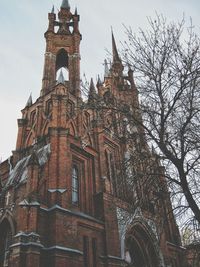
(75, 185)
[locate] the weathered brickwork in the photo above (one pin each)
(64, 200)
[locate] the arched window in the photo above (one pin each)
(113, 174)
(61, 59)
(107, 157)
(75, 185)
(110, 166)
(5, 242)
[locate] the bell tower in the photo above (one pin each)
(62, 49)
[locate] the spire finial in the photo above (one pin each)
(92, 91)
(98, 81)
(61, 78)
(114, 48)
(76, 12)
(52, 11)
(65, 4)
(106, 69)
(29, 101)
(92, 87)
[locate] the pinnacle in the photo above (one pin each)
(92, 91)
(98, 81)
(114, 49)
(92, 87)
(29, 102)
(52, 11)
(106, 69)
(65, 4)
(61, 78)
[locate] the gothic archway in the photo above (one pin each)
(5, 241)
(140, 248)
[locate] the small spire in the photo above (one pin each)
(65, 4)
(30, 101)
(106, 69)
(92, 87)
(99, 83)
(61, 78)
(52, 11)
(92, 91)
(114, 49)
(76, 12)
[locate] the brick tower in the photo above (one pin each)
(67, 193)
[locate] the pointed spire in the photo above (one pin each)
(30, 101)
(76, 12)
(61, 78)
(99, 83)
(52, 11)
(65, 4)
(106, 69)
(92, 91)
(114, 49)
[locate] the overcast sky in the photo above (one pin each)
(22, 45)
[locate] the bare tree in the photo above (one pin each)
(166, 64)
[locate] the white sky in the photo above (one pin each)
(22, 45)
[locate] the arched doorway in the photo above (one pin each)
(140, 248)
(5, 242)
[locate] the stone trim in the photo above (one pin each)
(114, 258)
(66, 249)
(26, 234)
(57, 190)
(110, 257)
(27, 244)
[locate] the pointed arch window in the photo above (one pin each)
(111, 168)
(107, 156)
(61, 59)
(75, 185)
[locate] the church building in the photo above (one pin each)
(82, 188)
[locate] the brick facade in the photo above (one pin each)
(64, 200)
